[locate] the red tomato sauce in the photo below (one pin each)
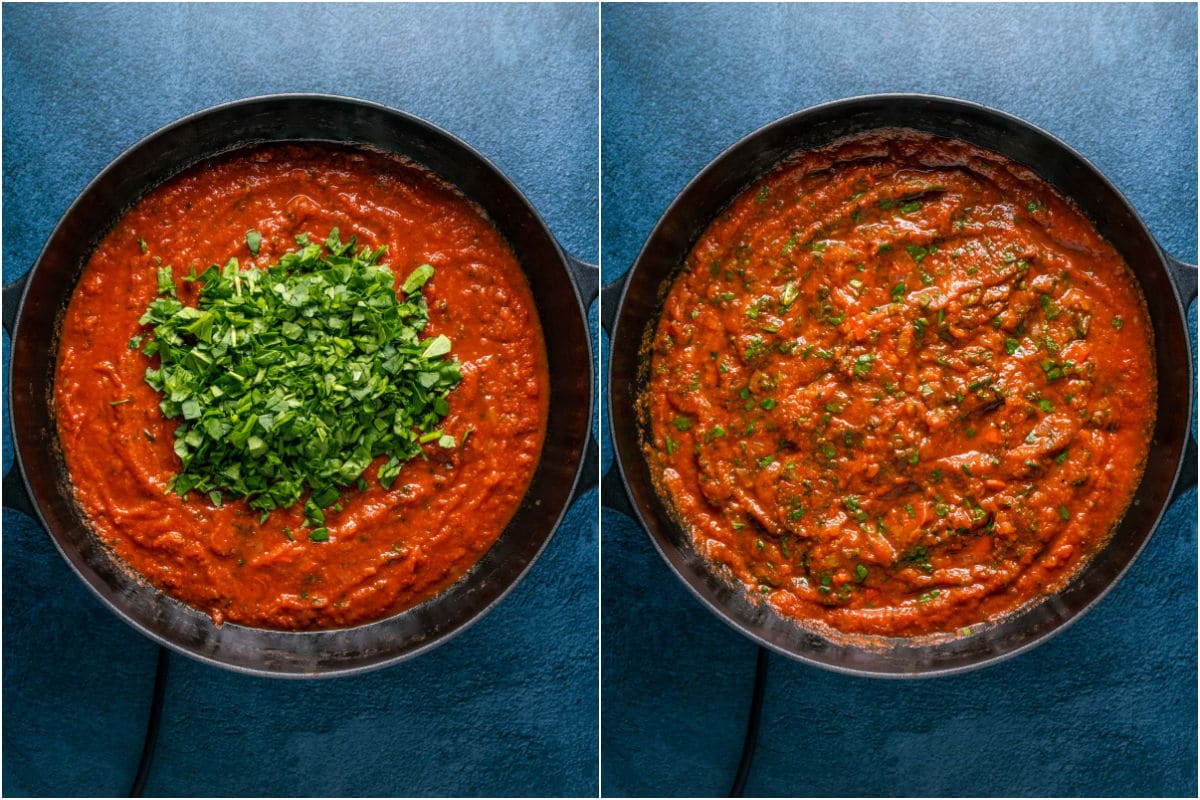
(388, 549)
(901, 386)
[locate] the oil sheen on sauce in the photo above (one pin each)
(900, 387)
(388, 549)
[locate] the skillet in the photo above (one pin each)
(631, 307)
(38, 483)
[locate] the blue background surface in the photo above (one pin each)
(510, 706)
(1106, 708)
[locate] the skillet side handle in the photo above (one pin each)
(13, 294)
(1183, 275)
(613, 495)
(587, 479)
(586, 278)
(610, 301)
(15, 494)
(1187, 471)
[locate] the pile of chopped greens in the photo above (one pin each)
(294, 377)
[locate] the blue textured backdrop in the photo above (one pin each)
(507, 708)
(1108, 707)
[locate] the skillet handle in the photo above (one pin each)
(613, 495)
(15, 493)
(586, 278)
(587, 473)
(1187, 471)
(13, 294)
(1183, 275)
(610, 301)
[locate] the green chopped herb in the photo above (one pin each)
(1118, 323)
(294, 377)
(909, 208)
(1049, 307)
(1011, 346)
(862, 365)
(1054, 370)
(253, 241)
(319, 535)
(919, 558)
(166, 281)
(1063, 513)
(683, 423)
(916, 252)
(143, 246)
(767, 404)
(417, 279)
(788, 295)
(756, 348)
(763, 194)
(861, 571)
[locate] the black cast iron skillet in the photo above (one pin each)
(631, 307)
(33, 308)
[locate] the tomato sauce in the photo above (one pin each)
(388, 549)
(901, 386)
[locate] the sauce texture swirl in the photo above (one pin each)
(900, 386)
(388, 549)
